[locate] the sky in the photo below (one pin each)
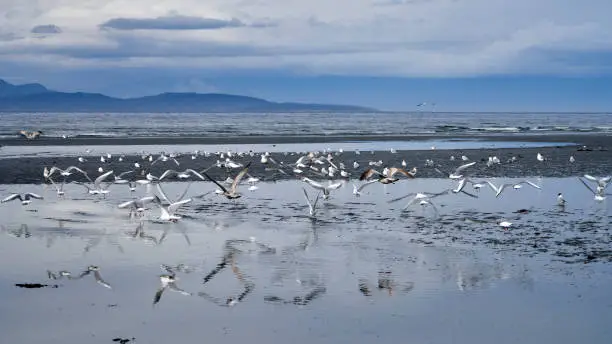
(462, 55)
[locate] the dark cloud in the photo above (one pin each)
(175, 22)
(46, 29)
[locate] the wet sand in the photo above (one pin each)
(596, 159)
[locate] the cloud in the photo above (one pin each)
(174, 22)
(406, 38)
(46, 29)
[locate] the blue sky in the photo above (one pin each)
(464, 55)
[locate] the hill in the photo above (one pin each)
(37, 98)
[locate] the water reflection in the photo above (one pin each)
(360, 259)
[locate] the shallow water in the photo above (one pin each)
(75, 150)
(455, 276)
(292, 124)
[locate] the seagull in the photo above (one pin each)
(25, 199)
(540, 157)
(231, 193)
(560, 200)
(388, 178)
(30, 135)
(326, 189)
(424, 198)
(137, 206)
(167, 282)
(500, 189)
(97, 187)
(312, 206)
(599, 191)
(65, 173)
(457, 174)
(602, 182)
(505, 224)
(168, 213)
(97, 276)
(572, 159)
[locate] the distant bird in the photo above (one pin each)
(571, 159)
(560, 200)
(25, 199)
(505, 224)
(540, 157)
(30, 135)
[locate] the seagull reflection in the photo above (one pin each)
(298, 300)
(139, 233)
(97, 276)
(248, 286)
(384, 282)
(167, 282)
(95, 241)
(232, 251)
(22, 232)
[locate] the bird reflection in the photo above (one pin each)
(97, 276)
(22, 232)
(386, 282)
(167, 282)
(95, 241)
(232, 252)
(298, 300)
(139, 233)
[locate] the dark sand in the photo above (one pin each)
(596, 159)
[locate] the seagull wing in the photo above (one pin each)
(186, 190)
(195, 173)
(532, 184)
(463, 167)
(591, 178)
(314, 184)
(101, 178)
(124, 173)
(162, 193)
(239, 177)
(587, 185)
(394, 170)
(174, 206)
(368, 173)
(167, 173)
(214, 181)
(33, 195)
(11, 197)
(74, 168)
(334, 186)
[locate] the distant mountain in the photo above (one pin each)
(9, 90)
(37, 98)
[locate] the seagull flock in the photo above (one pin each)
(321, 172)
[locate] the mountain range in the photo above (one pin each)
(38, 98)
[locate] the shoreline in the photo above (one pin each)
(588, 139)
